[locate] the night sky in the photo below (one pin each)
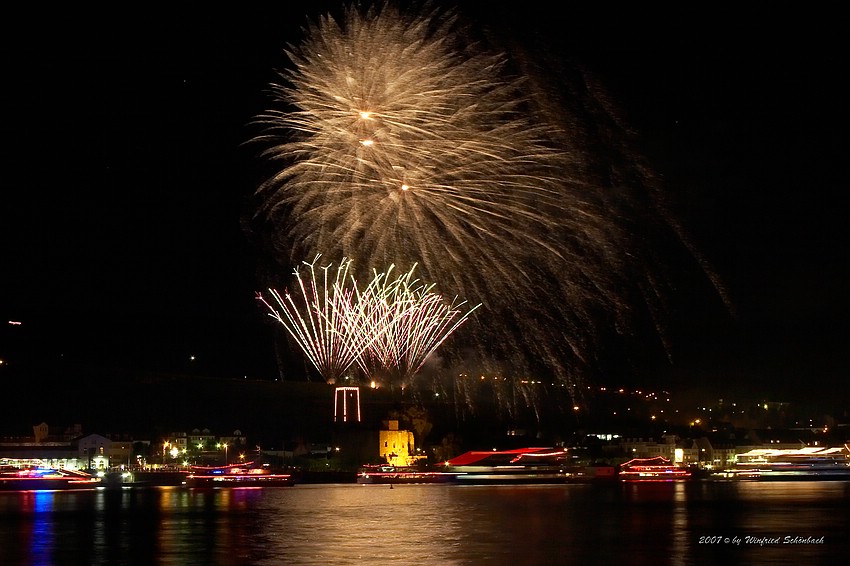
(126, 176)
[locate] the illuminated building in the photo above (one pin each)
(397, 446)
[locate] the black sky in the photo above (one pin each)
(125, 176)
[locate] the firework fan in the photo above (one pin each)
(408, 321)
(389, 328)
(397, 138)
(319, 318)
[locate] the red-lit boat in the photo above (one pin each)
(652, 469)
(34, 478)
(517, 466)
(243, 475)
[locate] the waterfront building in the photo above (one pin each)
(649, 448)
(396, 446)
(58, 454)
(95, 450)
(201, 439)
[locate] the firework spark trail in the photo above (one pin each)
(321, 323)
(398, 139)
(415, 321)
(391, 326)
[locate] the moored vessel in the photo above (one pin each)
(658, 468)
(386, 474)
(243, 475)
(36, 478)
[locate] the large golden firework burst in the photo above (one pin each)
(399, 139)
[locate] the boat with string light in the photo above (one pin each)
(658, 468)
(387, 474)
(242, 475)
(33, 478)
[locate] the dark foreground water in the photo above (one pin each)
(629, 523)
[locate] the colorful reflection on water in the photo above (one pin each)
(638, 523)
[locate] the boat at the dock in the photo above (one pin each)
(38, 478)
(386, 474)
(243, 475)
(652, 469)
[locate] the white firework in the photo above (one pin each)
(319, 318)
(389, 327)
(408, 321)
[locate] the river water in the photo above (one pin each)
(617, 523)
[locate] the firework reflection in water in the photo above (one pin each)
(396, 138)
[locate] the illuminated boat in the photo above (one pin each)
(243, 475)
(35, 478)
(652, 469)
(386, 474)
(809, 463)
(517, 466)
(144, 478)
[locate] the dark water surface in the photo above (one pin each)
(620, 523)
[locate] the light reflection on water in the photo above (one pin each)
(639, 523)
